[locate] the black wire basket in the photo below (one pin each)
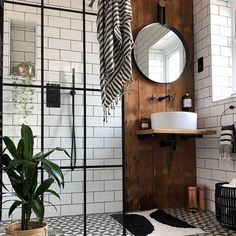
(225, 202)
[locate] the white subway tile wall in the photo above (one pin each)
(63, 50)
(209, 169)
(221, 54)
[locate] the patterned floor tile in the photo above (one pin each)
(205, 220)
(105, 225)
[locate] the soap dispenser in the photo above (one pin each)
(186, 102)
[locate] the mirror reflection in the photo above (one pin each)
(22, 47)
(159, 53)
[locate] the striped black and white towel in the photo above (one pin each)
(227, 142)
(115, 45)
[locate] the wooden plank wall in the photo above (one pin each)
(155, 176)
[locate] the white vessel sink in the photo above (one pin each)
(174, 120)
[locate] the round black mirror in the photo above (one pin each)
(159, 53)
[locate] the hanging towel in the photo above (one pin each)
(115, 46)
(227, 142)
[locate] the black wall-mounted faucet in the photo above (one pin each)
(168, 97)
(91, 3)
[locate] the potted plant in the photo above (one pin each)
(21, 166)
(24, 69)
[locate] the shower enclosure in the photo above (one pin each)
(50, 81)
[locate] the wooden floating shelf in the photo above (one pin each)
(176, 131)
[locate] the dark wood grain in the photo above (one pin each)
(155, 176)
(191, 132)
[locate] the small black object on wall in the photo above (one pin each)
(53, 95)
(200, 65)
(161, 12)
(171, 142)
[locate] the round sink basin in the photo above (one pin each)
(174, 120)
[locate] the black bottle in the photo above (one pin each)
(186, 102)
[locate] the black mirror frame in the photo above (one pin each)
(183, 42)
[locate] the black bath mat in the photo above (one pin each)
(167, 219)
(135, 224)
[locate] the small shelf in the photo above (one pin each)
(192, 132)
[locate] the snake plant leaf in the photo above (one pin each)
(28, 177)
(34, 183)
(16, 182)
(6, 201)
(54, 171)
(55, 149)
(51, 204)
(39, 156)
(13, 174)
(10, 147)
(14, 164)
(64, 150)
(53, 193)
(38, 208)
(18, 189)
(5, 159)
(13, 207)
(20, 149)
(43, 187)
(27, 136)
(3, 151)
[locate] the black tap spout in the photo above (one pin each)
(91, 3)
(169, 97)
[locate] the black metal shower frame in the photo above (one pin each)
(42, 87)
(1, 86)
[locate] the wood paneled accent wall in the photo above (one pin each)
(155, 176)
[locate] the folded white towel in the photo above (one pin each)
(232, 184)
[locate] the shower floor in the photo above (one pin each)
(104, 224)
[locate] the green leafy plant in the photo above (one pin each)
(22, 96)
(21, 166)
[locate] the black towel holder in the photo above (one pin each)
(223, 113)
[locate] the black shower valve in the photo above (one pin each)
(53, 95)
(72, 92)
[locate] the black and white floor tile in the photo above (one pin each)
(105, 225)
(97, 225)
(203, 220)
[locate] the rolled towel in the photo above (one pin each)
(227, 142)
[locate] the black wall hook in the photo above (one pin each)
(161, 12)
(231, 107)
